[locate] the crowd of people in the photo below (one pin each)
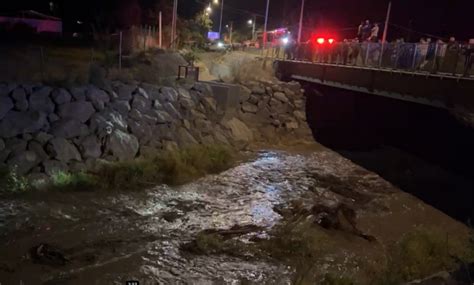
(367, 49)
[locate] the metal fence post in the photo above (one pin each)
(381, 54)
(434, 66)
(414, 56)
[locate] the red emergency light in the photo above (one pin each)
(320, 41)
(331, 41)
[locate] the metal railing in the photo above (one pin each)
(431, 58)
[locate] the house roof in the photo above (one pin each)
(31, 14)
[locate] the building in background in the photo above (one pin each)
(30, 21)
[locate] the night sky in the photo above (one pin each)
(339, 17)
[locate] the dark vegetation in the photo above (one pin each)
(304, 245)
(169, 167)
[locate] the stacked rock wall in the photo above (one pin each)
(44, 130)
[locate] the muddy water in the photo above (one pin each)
(109, 238)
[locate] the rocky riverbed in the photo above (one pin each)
(103, 238)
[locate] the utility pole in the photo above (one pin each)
(265, 25)
(387, 19)
(160, 30)
(173, 23)
(231, 26)
(253, 27)
(220, 22)
(385, 28)
(301, 21)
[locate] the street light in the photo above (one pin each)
(250, 22)
(216, 2)
(209, 9)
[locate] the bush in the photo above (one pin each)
(11, 182)
(421, 253)
(69, 181)
(170, 167)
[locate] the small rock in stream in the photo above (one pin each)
(48, 255)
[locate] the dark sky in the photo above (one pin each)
(443, 18)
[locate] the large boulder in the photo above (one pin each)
(81, 111)
(52, 167)
(153, 91)
(124, 92)
(61, 96)
(141, 130)
(162, 117)
(16, 123)
(209, 103)
(16, 144)
(168, 94)
(171, 110)
(280, 96)
(300, 115)
(239, 130)
(121, 106)
(244, 94)
(37, 148)
(40, 101)
(23, 162)
(19, 96)
(90, 147)
(141, 92)
(43, 137)
(98, 97)
(69, 128)
(164, 131)
(63, 150)
(258, 89)
(186, 104)
(249, 108)
(108, 119)
(184, 138)
(203, 125)
(6, 104)
(141, 103)
(53, 117)
(79, 93)
(122, 146)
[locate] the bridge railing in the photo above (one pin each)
(452, 59)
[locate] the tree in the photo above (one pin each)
(194, 31)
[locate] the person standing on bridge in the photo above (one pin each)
(359, 30)
(366, 30)
(469, 58)
(374, 33)
(439, 55)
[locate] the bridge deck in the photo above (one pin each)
(438, 90)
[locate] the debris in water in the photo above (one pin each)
(48, 255)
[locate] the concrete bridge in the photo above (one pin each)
(437, 90)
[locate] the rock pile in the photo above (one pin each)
(44, 130)
(275, 111)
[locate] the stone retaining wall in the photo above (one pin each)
(44, 130)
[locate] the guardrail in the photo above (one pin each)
(431, 58)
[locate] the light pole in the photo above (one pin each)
(173, 23)
(265, 25)
(252, 22)
(220, 22)
(301, 21)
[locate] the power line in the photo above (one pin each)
(415, 31)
